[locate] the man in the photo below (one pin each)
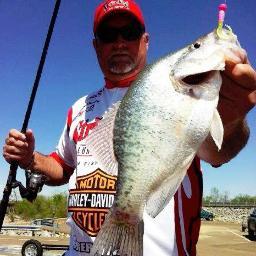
(121, 45)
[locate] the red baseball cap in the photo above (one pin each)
(110, 6)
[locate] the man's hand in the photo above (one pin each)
(237, 98)
(238, 90)
(19, 147)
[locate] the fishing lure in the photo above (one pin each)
(221, 16)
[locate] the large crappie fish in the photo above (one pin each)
(156, 132)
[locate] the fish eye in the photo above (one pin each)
(197, 45)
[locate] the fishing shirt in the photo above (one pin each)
(92, 188)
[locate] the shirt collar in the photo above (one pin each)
(119, 84)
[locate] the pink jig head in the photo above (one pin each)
(222, 11)
(221, 17)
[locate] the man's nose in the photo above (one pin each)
(120, 41)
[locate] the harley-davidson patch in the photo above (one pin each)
(90, 201)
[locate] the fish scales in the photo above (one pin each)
(145, 138)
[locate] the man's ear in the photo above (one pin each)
(95, 44)
(146, 39)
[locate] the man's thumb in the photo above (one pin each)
(30, 139)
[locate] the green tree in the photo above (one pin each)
(42, 207)
(244, 199)
(215, 194)
(59, 205)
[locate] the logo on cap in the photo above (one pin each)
(119, 4)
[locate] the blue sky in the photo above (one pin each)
(71, 68)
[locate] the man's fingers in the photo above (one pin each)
(238, 68)
(10, 157)
(19, 147)
(228, 89)
(30, 136)
(233, 90)
(236, 56)
(17, 135)
(18, 139)
(235, 101)
(245, 75)
(15, 150)
(252, 97)
(17, 143)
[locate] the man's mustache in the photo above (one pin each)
(114, 54)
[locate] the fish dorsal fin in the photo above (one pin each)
(216, 129)
(100, 140)
(159, 198)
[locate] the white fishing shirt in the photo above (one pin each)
(92, 187)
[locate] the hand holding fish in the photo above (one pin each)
(238, 90)
(237, 98)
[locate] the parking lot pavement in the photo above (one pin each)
(16, 250)
(217, 239)
(9, 250)
(11, 245)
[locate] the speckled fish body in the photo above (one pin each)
(159, 126)
(164, 118)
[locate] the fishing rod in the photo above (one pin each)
(34, 181)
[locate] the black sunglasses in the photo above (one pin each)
(131, 32)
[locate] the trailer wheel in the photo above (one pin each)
(251, 233)
(32, 248)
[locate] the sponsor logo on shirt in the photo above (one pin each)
(82, 246)
(90, 201)
(83, 128)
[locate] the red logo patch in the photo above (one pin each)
(83, 128)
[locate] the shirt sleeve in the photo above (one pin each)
(65, 153)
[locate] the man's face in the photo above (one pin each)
(120, 56)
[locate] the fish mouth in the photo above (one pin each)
(198, 78)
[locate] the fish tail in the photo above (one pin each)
(119, 236)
